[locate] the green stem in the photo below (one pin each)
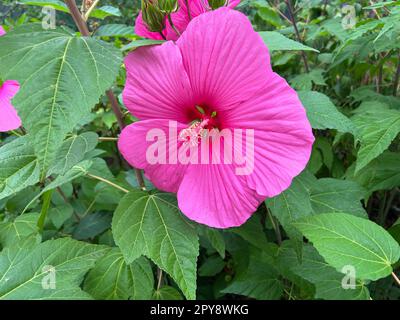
(16, 133)
(103, 139)
(45, 209)
(92, 7)
(275, 225)
(84, 30)
(396, 78)
(382, 206)
(160, 278)
(396, 278)
(296, 30)
(387, 207)
(108, 182)
(62, 194)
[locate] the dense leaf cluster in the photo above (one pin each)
(69, 204)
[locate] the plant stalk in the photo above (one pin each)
(293, 19)
(160, 278)
(396, 278)
(396, 78)
(45, 209)
(84, 30)
(275, 226)
(108, 182)
(90, 10)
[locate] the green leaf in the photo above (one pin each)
(56, 4)
(114, 30)
(65, 261)
(100, 13)
(259, 281)
(269, 15)
(19, 167)
(335, 28)
(276, 41)
(21, 228)
(113, 279)
(62, 77)
(377, 129)
(105, 11)
(382, 173)
(217, 241)
(140, 43)
(308, 196)
(345, 240)
(58, 215)
(370, 97)
(327, 281)
(167, 293)
(211, 267)
(73, 151)
(324, 145)
(395, 230)
(92, 225)
(292, 204)
(316, 161)
(362, 29)
(334, 195)
(323, 114)
(378, 5)
(305, 81)
(152, 225)
(252, 231)
(76, 171)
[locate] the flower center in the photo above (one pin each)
(199, 127)
(194, 133)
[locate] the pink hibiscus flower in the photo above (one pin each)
(9, 119)
(180, 19)
(217, 76)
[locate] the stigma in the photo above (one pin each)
(193, 134)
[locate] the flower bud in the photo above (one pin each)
(168, 6)
(152, 16)
(215, 4)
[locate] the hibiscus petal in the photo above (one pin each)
(2, 31)
(134, 146)
(157, 86)
(180, 20)
(233, 3)
(214, 195)
(9, 119)
(198, 7)
(283, 135)
(226, 61)
(141, 29)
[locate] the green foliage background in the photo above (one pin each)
(69, 201)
